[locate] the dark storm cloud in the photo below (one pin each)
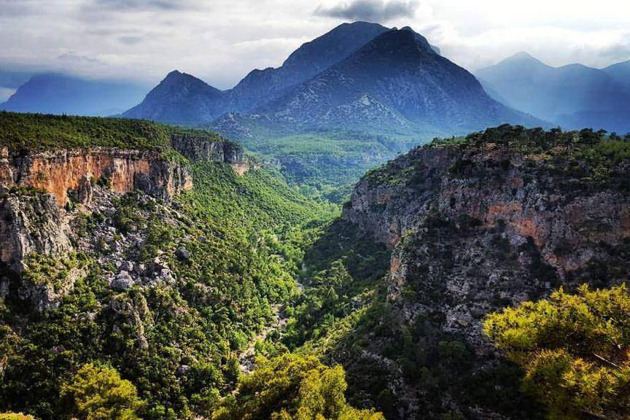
(370, 10)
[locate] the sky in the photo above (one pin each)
(220, 41)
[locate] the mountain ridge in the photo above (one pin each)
(573, 95)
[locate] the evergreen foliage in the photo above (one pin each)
(292, 387)
(574, 349)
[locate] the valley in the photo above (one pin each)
(367, 227)
(180, 289)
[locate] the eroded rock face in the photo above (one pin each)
(200, 148)
(570, 220)
(31, 224)
(473, 230)
(38, 196)
(60, 171)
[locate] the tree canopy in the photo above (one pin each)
(574, 349)
(292, 387)
(99, 393)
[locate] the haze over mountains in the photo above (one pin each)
(62, 94)
(573, 96)
(359, 77)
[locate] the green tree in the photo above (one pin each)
(99, 393)
(292, 387)
(15, 416)
(574, 349)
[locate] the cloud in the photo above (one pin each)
(145, 4)
(370, 10)
(130, 40)
(75, 57)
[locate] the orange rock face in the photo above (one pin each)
(61, 171)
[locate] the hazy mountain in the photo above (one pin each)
(10, 81)
(620, 72)
(310, 59)
(61, 94)
(573, 96)
(395, 83)
(180, 99)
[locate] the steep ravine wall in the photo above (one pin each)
(498, 188)
(473, 230)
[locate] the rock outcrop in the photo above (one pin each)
(200, 148)
(62, 171)
(474, 229)
(31, 224)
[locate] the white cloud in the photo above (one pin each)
(222, 40)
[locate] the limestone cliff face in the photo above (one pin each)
(476, 229)
(199, 148)
(36, 188)
(31, 223)
(42, 194)
(525, 197)
(62, 171)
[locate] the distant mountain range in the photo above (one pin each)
(573, 96)
(620, 72)
(61, 94)
(360, 77)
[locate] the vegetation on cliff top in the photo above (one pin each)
(584, 153)
(39, 132)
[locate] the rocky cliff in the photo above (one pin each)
(46, 193)
(63, 173)
(477, 227)
(200, 148)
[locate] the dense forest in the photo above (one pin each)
(259, 301)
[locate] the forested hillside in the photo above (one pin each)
(162, 295)
(179, 278)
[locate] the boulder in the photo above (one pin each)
(182, 254)
(123, 281)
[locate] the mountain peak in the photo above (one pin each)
(174, 74)
(334, 45)
(523, 56)
(400, 42)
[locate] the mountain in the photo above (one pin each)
(61, 94)
(313, 57)
(620, 72)
(396, 83)
(10, 81)
(574, 95)
(180, 99)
